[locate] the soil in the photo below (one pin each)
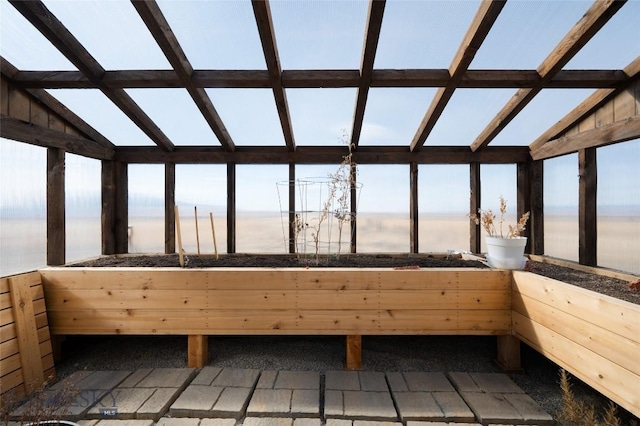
(613, 287)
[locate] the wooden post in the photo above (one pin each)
(474, 205)
(292, 208)
(536, 222)
(354, 352)
(198, 348)
(55, 207)
(354, 207)
(524, 198)
(231, 208)
(509, 354)
(121, 182)
(413, 206)
(587, 205)
(169, 202)
(26, 332)
(108, 217)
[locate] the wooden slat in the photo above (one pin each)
(26, 330)
(594, 19)
(478, 30)
(372, 35)
(11, 381)
(8, 327)
(273, 279)
(615, 382)
(36, 293)
(262, 13)
(616, 132)
(8, 348)
(10, 364)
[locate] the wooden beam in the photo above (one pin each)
(56, 243)
(523, 183)
(41, 18)
(413, 208)
(587, 207)
(169, 210)
(536, 221)
(262, 13)
(371, 37)
(19, 130)
(593, 102)
(310, 79)
(619, 131)
(231, 208)
(475, 242)
(155, 21)
(323, 155)
(594, 19)
(478, 30)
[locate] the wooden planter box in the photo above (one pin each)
(593, 336)
(339, 301)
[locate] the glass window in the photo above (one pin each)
(561, 207)
(499, 180)
(146, 208)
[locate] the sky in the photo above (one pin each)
(321, 35)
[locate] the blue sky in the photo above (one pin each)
(325, 34)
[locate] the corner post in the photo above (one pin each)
(413, 206)
(169, 211)
(56, 243)
(474, 205)
(588, 218)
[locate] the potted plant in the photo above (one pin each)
(505, 250)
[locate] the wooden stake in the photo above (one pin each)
(179, 234)
(213, 231)
(195, 209)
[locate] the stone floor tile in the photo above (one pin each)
(267, 421)
(374, 423)
(206, 376)
(305, 402)
(342, 380)
(491, 408)
(463, 382)
(102, 380)
(372, 381)
(338, 422)
(177, 421)
(218, 422)
(425, 423)
(71, 381)
(195, 401)
(417, 406)
(125, 423)
(237, 377)
(83, 422)
(307, 422)
(158, 404)
(453, 407)
(369, 405)
(397, 383)
(135, 378)
(428, 382)
(529, 409)
(297, 380)
(267, 379)
(232, 402)
(333, 404)
(125, 401)
(168, 378)
(495, 382)
(269, 401)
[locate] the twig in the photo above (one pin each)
(180, 251)
(213, 231)
(195, 209)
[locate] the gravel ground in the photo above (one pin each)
(313, 353)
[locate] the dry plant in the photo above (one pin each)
(488, 218)
(299, 227)
(577, 413)
(322, 217)
(341, 183)
(41, 407)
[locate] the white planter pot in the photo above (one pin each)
(506, 253)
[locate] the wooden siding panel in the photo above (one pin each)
(19, 104)
(624, 105)
(604, 114)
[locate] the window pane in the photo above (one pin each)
(146, 208)
(498, 180)
(561, 207)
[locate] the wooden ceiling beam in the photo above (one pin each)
(323, 155)
(478, 30)
(618, 131)
(312, 79)
(41, 18)
(593, 102)
(155, 21)
(371, 37)
(262, 13)
(12, 128)
(592, 21)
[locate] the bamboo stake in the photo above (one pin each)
(213, 231)
(195, 209)
(180, 251)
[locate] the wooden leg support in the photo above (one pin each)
(354, 353)
(198, 347)
(509, 354)
(56, 346)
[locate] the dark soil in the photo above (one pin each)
(613, 287)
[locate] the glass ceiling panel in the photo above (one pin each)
(176, 114)
(321, 116)
(541, 113)
(393, 115)
(96, 109)
(615, 45)
(467, 114)
(526, 32)
(216, 34)
(112, 31)
(319, 34)
(423, 34)
(249, 115)
(24, 46)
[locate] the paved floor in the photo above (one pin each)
(228, 397)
